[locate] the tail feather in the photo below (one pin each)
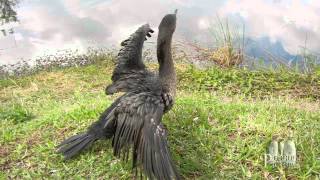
(70, 139)
(75, 144)
(78, 148)
(101, 129)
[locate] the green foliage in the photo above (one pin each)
(228, 43)
(252, 83)
(16, 113)
(7, 13)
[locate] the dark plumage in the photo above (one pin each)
(133, 121)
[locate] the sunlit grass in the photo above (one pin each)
(213, 132)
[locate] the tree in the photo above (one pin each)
(7, 14)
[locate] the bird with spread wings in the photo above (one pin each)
(133, 121)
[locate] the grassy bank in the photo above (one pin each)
(220, 126)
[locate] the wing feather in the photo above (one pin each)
(130, 70)
(139, 126)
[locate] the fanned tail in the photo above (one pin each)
(75, 144)
(101, 129)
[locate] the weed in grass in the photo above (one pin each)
(16, 113)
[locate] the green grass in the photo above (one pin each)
(219, 134)
(253, 83)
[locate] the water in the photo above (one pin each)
(47, 26)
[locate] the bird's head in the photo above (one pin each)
(168, 25)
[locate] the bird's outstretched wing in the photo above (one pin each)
(130, 69)
(139, 128)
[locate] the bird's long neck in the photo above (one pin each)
(167, 72)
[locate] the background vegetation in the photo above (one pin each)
(7, 15)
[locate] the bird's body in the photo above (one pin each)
(133, 121)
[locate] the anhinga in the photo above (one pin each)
(133, 121)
